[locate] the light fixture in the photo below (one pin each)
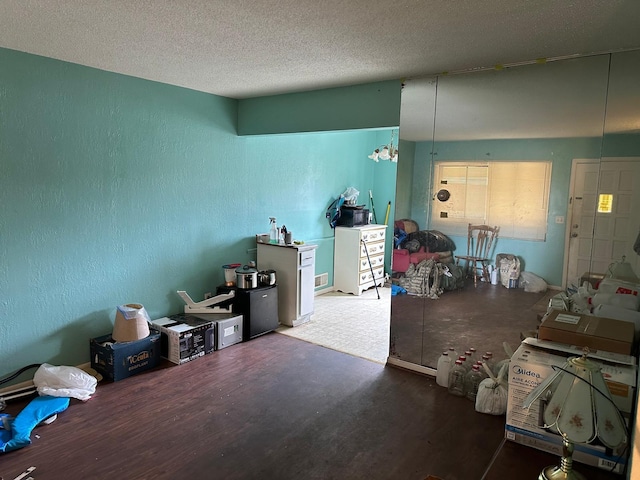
(577, 405)
(386, 152)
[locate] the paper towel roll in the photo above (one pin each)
(132, 323)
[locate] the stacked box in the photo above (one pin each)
(228, 328)
(596, 333)
(185, 337)
(530, 365)
(119, 360)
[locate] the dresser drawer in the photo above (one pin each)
(376, 261)
(366, 276)
(374, 248)
(373, 235)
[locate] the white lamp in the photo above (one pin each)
(580, 409)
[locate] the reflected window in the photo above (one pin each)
(512, 195)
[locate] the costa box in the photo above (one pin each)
(532, 362)
(119, 360)
(597, 333)
(185, 337)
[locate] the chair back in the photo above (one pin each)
(480, 239)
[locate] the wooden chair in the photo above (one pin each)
(479, 241)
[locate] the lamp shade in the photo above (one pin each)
(579, 404)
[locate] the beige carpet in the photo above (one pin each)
(357, 325)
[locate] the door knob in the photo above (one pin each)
(574, 235)
(575, 225)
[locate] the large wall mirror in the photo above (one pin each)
(561, 134)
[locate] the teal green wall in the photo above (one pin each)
(406, 160)
(545, 259)
(118, 190)
(373, 105)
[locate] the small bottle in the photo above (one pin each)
(273, 232)
(443, 369)
(472, 381)
(456, 379)
(465, 363)
(469, 354)
(452, 353)
(491, 363)
(474, 354)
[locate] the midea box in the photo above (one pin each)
(119, 360)
(532, 362)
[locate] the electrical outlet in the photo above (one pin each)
(208, 295)
(560, 219)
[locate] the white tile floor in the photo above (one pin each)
(357, 325)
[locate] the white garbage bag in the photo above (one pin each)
(64, 382)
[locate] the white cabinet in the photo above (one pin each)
(352, 272)
(295, 267)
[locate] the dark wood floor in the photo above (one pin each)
(483, 317)
(271, 408)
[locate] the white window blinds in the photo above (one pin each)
(512, 195)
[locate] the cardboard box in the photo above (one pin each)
(119, 360)
(185, 337)
(597, 333)
(532, 362)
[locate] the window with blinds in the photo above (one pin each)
(512, 195)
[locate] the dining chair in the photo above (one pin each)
(480, 239)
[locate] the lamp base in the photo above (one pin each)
(555, 472)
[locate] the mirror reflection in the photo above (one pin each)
(518, 148)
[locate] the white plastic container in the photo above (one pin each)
(443, 369)
(630, 302)
(613, 285)
(274, 235)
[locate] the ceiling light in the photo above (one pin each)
(386, 152)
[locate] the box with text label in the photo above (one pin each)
(532, 362)
(119, 360)
(185, 337)
(596, 333)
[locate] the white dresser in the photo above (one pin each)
(295, 267)
(351, 269)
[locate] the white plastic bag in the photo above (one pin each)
(509, 270)
(351, 196)
(64, 382)
(492, 393)
(532, 283)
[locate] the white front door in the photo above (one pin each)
(580, 221)
(616, 231)
(602, 229)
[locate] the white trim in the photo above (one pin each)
(569, 216)
(411, 366)
(29, 383)
(322, 291)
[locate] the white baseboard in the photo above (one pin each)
(322, 291)
(29, 383)
(411, 366)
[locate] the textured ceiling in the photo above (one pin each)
(243, 48)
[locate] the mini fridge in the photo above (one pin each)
(259, 309)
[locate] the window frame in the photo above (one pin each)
(510, 204)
